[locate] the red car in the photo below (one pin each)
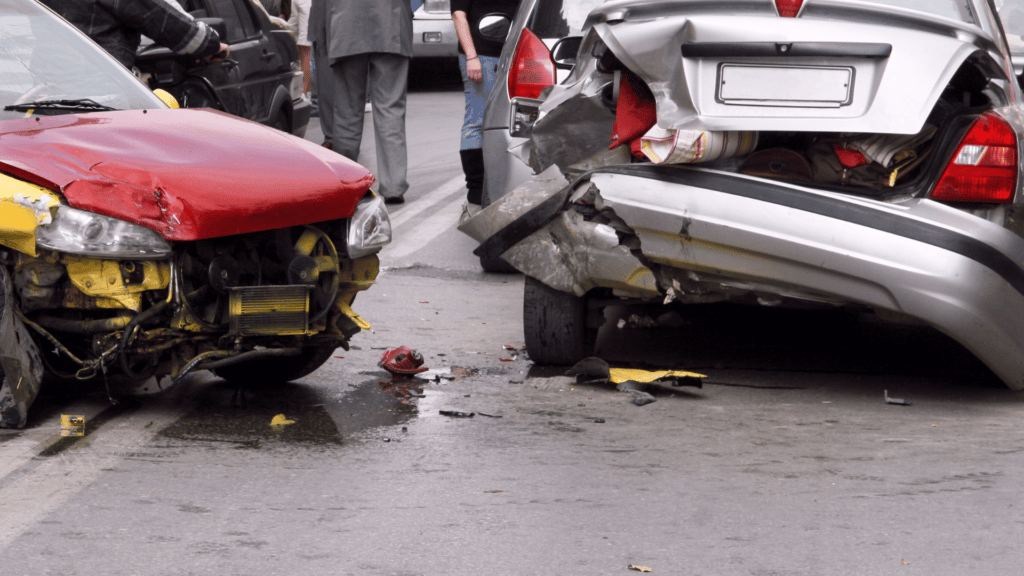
(141, 241)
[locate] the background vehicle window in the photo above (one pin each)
(237, 19)
(560, 18)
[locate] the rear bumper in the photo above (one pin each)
(434, 38)
(959, 273)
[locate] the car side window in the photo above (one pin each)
(237, 19)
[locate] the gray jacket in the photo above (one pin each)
(350, 27)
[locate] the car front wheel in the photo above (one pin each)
(555, 325)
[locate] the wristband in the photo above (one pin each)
(473, 58)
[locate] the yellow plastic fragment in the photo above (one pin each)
(72, 425)
(348, 311)
(639, 568)
(280, 421)
(620, 375)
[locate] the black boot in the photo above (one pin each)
(473, 166)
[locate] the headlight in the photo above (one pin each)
(369, 229)
(88, 234)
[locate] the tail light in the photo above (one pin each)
(788, 8)
(532, 69)
(984, 168)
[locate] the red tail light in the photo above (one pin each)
(788, 8)
(532, 69)
(984, 168)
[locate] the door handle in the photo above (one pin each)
(269, 55)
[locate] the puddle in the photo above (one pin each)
(246, 418)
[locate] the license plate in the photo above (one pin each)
(793, 86)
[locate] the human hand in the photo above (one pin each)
(474, 71)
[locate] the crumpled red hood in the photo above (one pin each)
(188, 174)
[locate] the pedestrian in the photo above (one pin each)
(362, 50)
(117, 26)
(298, 22)
(478, 60)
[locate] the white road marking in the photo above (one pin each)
(427, 201)
(445, 203)
(42, 489)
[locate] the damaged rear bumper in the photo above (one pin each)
(697, 235)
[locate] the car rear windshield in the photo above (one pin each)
(560, 18)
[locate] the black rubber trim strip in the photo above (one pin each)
(955, 242)
(527, 224)
(792, 49)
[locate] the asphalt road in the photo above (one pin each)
(787, 462)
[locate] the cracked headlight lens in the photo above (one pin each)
(369, 229)
(88, 234)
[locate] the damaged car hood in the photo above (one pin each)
(187, 174)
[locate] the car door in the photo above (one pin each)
(249, 76)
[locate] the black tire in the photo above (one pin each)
(497, 265)
(280, 121)
(276, 370)
(555, 325)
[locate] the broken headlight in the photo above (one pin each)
(369, 229)
(88, 234)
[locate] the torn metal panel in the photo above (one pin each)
(22, 366)
(514, 205)
(572, 131)
(573, 255)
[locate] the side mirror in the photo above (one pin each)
(218, 25)
(495, 27)
(563, 53)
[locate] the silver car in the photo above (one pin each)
(831, 153)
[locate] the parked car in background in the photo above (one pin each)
(433, 32)
(139, 241)
(818, 154)
(260, 81)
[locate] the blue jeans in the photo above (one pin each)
(476, 99)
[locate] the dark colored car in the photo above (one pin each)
(260, 81)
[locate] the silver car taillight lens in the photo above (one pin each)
(369, 229)
(984, 167)
(88, 234)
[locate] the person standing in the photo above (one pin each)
(362, 50)
(478, 60)
(117, 26)
(298, 22)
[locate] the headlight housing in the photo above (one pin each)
(88, 234)
(369, 229)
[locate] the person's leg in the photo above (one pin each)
(349, 100)
(324, 90)
(470, 146)
(389, 79)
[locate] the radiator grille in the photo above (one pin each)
(269, 310)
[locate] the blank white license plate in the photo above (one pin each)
(800, 86)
